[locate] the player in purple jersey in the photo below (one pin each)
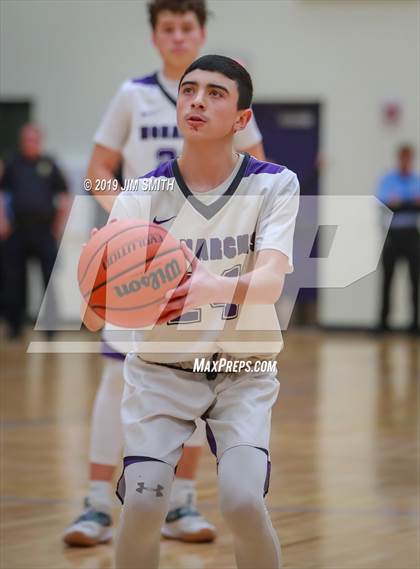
(138, 131)
(164, 395)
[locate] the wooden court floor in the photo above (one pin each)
(344, 488)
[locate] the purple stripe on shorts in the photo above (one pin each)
(164, 169)
(259, 167)
(109, 352)
(211, 440)
(147, 80)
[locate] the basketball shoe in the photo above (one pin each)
(90, 528)
(93, 527)
(183, 521)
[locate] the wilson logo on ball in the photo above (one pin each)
(155, 279)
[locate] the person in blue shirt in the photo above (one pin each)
(400, 192)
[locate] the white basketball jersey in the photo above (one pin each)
(141, 124)
(254, 209)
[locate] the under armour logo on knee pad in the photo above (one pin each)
(141, 486)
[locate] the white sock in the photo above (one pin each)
(183, 493)
(101, 495)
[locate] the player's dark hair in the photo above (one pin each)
(179, 7)
(231, 69)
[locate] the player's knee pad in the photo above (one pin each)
(243, 511)
(146, 515)
(145, 487)
(242, 474)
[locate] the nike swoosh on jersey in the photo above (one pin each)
(162, 220)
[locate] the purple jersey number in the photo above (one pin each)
(229, 312)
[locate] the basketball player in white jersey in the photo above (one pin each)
(139, 131)
(235, 216)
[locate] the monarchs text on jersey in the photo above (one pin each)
(254, 209)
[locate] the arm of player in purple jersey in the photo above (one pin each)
(103, 164)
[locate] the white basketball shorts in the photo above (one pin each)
(160, 406)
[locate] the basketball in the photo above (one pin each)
(125, 270)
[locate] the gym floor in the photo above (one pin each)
(344, 485)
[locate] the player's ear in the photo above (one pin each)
(242, 120)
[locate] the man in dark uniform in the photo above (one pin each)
(400, 192)
(33, 210)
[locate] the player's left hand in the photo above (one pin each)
(198, 289)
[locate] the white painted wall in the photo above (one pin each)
(71, 55)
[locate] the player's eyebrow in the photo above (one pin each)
(212, 85)
(216, 86)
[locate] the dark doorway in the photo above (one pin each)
(291, 134)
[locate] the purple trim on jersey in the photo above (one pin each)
(109, 352)
(164, 169)
(148, 80)
(259, 167)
